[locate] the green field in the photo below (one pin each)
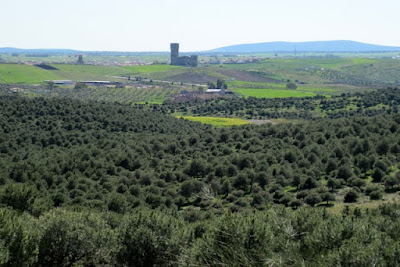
(272, 93)
(265, 79)
(217, 121)
(16, 73)
(20, 73)
(332, 71)
(150, 68)
(335, 73)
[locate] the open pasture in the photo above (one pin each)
(19, 73)
(272, 93)
(29, 74)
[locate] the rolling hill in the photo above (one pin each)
(317, 46)
(337, 46)
(8, 50)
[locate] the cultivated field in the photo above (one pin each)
(20, 73)
(265, 79)
(272, 93)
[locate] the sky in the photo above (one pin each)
(150, 25)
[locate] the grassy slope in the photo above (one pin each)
(383, 69)
(271, 93)
(76, 72)
(150, 68)
(302, 69)
(18, 73)
(308, 69)
(15, 73)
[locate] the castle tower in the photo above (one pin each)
(174, 53)
(80, 60)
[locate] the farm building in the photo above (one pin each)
(61, 82)
(214, 91)
(219, 91)
(100, 82)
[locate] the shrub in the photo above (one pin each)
(375, 195)
(292, 86)
(148, 238)
(80, 85)
(351, 196)
(19, 238)
(74, 238)
(18, 196)
(313, 199)
(233, 240)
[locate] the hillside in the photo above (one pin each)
(87, 179)
(117, 151)
(317, 46)
(4, 50)
(114, 185)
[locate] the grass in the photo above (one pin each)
(256, 85)
(272, 93)
(321, 89)
(365, 203)
(217, 121)
(361, 61)
(81, 72)
(18, 73)
(150, 68)
(307, 71)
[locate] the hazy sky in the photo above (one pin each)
(150, 25)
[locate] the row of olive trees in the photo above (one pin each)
(283, 237)
(70, 238)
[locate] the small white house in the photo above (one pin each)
(213, 91)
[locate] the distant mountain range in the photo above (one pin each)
(270, 47)
(317, 46)
(8, 50)
(44, 51)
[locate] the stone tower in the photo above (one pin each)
(174, 53)
(188, 61)
(80, 60)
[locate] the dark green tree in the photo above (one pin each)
(351, 196)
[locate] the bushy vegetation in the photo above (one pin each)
(113, 157)
(88, 183)
(147, 93)
(282, 237)
(383, 101)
